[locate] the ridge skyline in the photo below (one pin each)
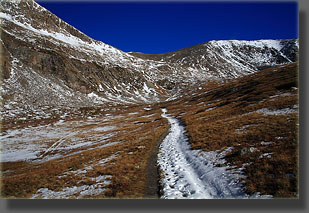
(162, 27)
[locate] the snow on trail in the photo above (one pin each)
(193, 173)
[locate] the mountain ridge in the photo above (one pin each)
(47, 62)
(213, 40)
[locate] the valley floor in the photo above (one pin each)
(100, 155)
(228, 140)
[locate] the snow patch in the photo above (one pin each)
(284, 111)
(265, 155)
(69, 192)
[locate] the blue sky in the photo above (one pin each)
(158, 27)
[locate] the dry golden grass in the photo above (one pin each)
(222, 116)
(128, 168)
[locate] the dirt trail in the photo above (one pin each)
(152, 189)
(193, 173)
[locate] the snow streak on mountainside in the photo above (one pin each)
(47, 62)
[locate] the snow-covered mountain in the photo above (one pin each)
(47, 62)
(228, 58)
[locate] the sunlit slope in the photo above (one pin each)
(257, 116)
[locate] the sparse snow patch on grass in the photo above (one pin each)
(281, 95)
(284, 111)
(68, 192)
(45, 141)
(266, 155)
(266, 143)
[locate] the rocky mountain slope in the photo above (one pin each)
(47, 63)
(230, 58)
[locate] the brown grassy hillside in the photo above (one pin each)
(258, 116)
